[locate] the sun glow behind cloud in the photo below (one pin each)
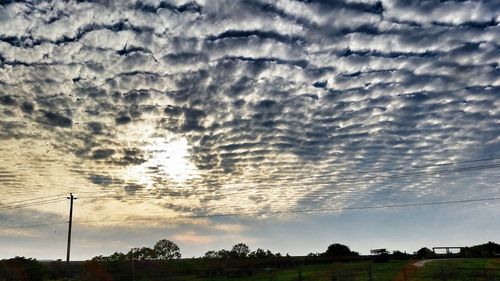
(164, 155)
(168, 158)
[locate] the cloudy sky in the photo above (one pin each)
(159, 115)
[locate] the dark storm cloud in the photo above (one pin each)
(288, 93)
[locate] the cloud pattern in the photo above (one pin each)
(281, 105)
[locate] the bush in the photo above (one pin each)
(339, 250)
(21, 268)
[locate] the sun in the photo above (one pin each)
(167, 158)
(171, 158)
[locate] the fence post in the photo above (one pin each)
(443, 275)
(370, 276)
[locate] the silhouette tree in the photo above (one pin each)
(240, 250)
(489, 249)
(166, 249)
(143, 253)
(339, 250)
(21, 268)
(259, 253)
(425, 253)
(117, 256)
(381, 255)
(400, 255)
(211, 255)
(224, 254)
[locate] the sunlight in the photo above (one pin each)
(167, 158)
(172, 158)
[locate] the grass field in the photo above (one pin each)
(351, 271)
(361, 270)
(438, 270)
(459, 270)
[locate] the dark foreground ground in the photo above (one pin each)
(286, 269)
(256, 269)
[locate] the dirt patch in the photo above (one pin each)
(421, 263)
(407, 272)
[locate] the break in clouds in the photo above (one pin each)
(208, 107)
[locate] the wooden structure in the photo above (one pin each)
(448, 252)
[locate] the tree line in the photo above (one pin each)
(167, 250)
(162, 250)
(240, 250)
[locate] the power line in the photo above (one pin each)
(304, 211)
(376, 177)
(408, 167)
(270, 213)
(38, 201)
(32, 225)
(342, 182)
(32, 204)
(426, 166)
(461, 169)
(32, 199)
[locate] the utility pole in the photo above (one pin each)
(71, 198)
(132, 260)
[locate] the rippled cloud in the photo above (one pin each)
(168, 108)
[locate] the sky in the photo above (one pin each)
(290, 118)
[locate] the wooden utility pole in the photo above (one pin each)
(132, 260)
(71, 198)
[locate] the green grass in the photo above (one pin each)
(353, 271)
(439, 270)
(396, 270)
(459, 270)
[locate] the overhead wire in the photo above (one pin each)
(26, 205)
(32, 199)
(299, 211)
(51, 199)
(267, 212)
(290, 197)
(342, 181)
(31, 225)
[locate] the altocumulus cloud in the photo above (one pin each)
(275, 103)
